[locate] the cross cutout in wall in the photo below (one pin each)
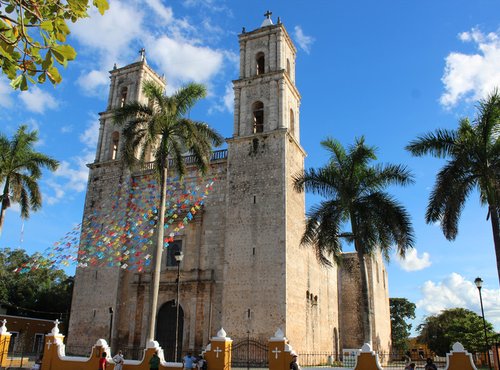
(49, 343)
(217, 351)
(276, 351)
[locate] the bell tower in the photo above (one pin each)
(266, 98)
(265, 215)
(99, 289)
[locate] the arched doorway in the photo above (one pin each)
(165, 330)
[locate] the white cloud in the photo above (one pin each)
(111, 32)
(76, 176)
(108, 38)
(165, 13)
(412, 262)
(91, 134)
(304, 41)
(5, 94)
(456, 291)
(174, 47)
(72, 175)
(67, 129)
(92, 81)
(226, 102)
(38, 100)
(182, 62)
(472, 76)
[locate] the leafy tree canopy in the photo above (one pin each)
(33, 36)
(401, 311)
(43, 292)
(441, 331)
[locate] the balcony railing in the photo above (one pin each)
(188, 160)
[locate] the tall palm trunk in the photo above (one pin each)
(365, 299)
(5, 203)
(496, 234)
(158, 252)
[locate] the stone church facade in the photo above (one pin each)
(243, 268)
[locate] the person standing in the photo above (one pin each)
(430, 365)
(200, 364)
(102, 362)
(188, 361)
(410, 366)
(154, 362)
(118, 360)
(294, 365)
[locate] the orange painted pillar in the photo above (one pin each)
(50, 354)
(4, 344)
(280, 352)
(218, 352)
(367, 359)
(459, 359)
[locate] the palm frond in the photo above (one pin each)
(438, 144)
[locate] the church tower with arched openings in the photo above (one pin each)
(270, 280)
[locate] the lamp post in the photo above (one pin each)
(110, 325)
(178, 258)
(479, 285)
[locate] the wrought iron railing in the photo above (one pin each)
(216, 155)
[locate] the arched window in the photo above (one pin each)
(261, 62)
(115, 140)
(288, 70)
(258, 117)
(292, 122)
(123, 96)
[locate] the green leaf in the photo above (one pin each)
(42, 77)
(15, 83)
(53, 75)
(63, 53)
(47, 26)
(10, 8)
(47, 63)
(24, 83)
(102, 5)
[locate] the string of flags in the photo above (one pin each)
(120, 231)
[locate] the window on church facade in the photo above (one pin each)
(115, 140)
(261, 61)
(258, 117)
(175, 246)
(123, 96)
(288, 70)
(292, 122)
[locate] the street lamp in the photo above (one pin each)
(110, 325)
(178, 258)
(479, 284)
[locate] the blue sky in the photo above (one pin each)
(389, 70)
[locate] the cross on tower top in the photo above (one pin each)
(142, 52)
(268, 14)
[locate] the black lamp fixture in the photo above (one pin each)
(479, 285)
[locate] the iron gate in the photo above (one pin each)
(249, 353)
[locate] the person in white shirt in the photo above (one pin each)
(118, 360)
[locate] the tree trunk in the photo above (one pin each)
(158, 253)
(365, 298)
(496, 235)
(5, 203)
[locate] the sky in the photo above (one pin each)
(388, 70)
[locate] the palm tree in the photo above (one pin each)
(161, 127)
(20, 169)
(355, 195)
(473, 152)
